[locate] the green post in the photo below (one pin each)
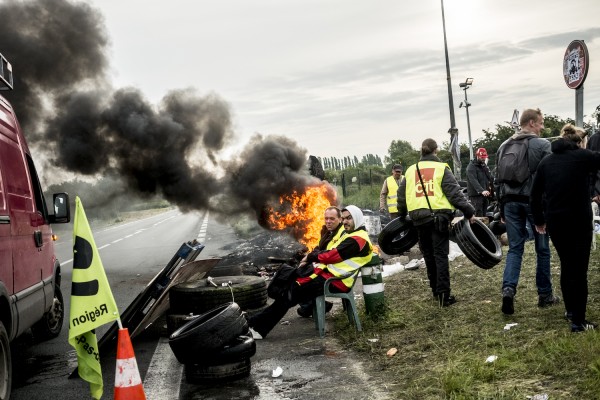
(372, 282)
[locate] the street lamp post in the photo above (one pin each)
(453, 131)
(465, 85)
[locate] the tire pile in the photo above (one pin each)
(208, 332)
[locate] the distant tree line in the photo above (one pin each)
(339, 164)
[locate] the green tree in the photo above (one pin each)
(401, 152)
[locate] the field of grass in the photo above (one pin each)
(442, 352)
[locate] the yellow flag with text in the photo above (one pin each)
(92, 302)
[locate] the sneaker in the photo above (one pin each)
(548, 300)
(584, 326)
(255, 335)
(508, 301)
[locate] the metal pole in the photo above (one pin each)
(453, 130)
(579, 106)
(467, 105)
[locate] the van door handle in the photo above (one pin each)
(37, 236)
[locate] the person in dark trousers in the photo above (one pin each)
(389, 191)
(444, 195)
(479, 182)
(560, 203)
(351, 251)
(516, 212)
(330, 233)
(594, 145)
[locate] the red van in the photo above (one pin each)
(30, 295)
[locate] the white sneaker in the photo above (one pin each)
(255, 335)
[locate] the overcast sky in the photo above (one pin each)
(346, 77)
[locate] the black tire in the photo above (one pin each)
(397, 237)
(208, 332)
(5, 364)
(176, 321)
(497, 227)
(199, 296)
(240, 348)
(478, 243)
(51, 323)
(207, 374)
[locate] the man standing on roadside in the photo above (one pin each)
(516, 212)
(479, 182)
(388, 198)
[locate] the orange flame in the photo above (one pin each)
(302, 213)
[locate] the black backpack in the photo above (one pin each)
(513, 162)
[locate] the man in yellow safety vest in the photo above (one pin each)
(388, 198)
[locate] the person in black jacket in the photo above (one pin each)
(560, 204)
(479, 182)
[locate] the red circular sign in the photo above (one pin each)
(575, 64)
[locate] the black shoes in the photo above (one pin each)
(306, 312)
(508, 300)
(548, 300)
(584, 326)
(446, 300)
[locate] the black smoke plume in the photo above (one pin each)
(70, 112)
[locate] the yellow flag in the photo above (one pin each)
(92, 302)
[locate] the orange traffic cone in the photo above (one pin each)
(128, 384)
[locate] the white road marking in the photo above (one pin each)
(103, 247)
(163, 378)
(164, 375)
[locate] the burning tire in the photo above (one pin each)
(199, 296)
(207, 374)
(50, 325)
(397, 237)
(208, 333)
(478, 243)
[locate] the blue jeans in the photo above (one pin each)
(516, 216)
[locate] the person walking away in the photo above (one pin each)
(330, 234)
(560, 203)
(350, 251)
(479, 182)
(388, 198)
(429, 194)
(594, 145)
(517, 161)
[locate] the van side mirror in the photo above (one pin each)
(62, 209)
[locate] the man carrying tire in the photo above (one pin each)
(429, 194)
(350, 251)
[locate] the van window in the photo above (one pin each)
(16, 179)
(40, 202)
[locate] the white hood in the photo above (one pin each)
(357, 216)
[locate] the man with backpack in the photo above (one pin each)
(516, 163)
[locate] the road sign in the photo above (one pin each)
(576, 63)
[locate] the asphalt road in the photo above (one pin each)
(132, 254)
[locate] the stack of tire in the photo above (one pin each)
(208, 332)
(215, 346)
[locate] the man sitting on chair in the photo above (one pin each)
(351, 251)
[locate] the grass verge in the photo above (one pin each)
(442, 352)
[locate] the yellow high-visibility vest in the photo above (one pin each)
(335, 240)
(346, 266)
(392, 195)
(432, 173)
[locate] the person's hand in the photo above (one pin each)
(472, 219)
(541, 229)
(313, 256)
(596, 199)
(486, 193)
